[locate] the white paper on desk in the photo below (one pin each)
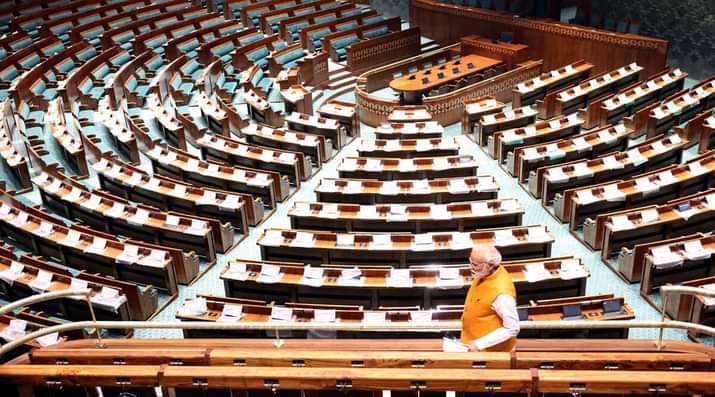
(5, 210)
(621, 222)
(707, 300)
(367, 145)
(374, 317)
(421, 186)
(636, 157)
(213, 169)
(694, 250)
(649, 215)
(269, 274)
(407, 165)
(109, 297)
(11, 274)
(658, 147)
(140, 217)
(458, 186)
(611, 163)
(237, 271)
(48, 340)
(556, 175)
(373, 165)
(486, 184)
(348, 164)
(351, 276)
(509, 114)
(700, 92)
(696, 168)
(192, 164)
(666, 178)
(449, 274)
(135, 179)
(280, 313)
(392, 145)
(208, 198)
(42, 281)
(130, 254)
(345, 240)
(504, 237)
(266, 156)
(645, 186)
(571, 269)
(639, 91)
(658, 112)
(521, 87)
(652, 85)
(536, 272)
(440, 211)
(324, 316)
(55, 186)
(197, 228)
(399, 278)
(15, 329)
(327, 185)
(116, 211)
(231, 202)
(663, 257)
(420, 316)
(687, 213)
(586, 196)
(461, 241)
(423, 145)
(488, 119)
(480, 208)
(302, 208)
(20, 219)
(381, 240)
(450, 345)
(45, 229)
(231, 313)
(353, 187)
(613, 193)
(606, 137)
(577, 90)
(72, 238)
(367, 212)
(179, 190)
(302, 239)
(619, 128)
(530, 130)
(538, 234)
(553, 149)
(554, 124)
(194, 307)
(440, 163)
(153, 183)
(507, 205)
(74, 195)
(530, 153)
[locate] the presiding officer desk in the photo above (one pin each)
(412, 86)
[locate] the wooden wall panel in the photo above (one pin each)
(556, 43)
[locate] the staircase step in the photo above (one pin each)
(342, 82)
(339, 75)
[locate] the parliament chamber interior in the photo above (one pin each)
(187, 190)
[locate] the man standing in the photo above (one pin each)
(490, 321)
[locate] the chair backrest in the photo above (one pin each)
(595, 21)
(635, 27)
(506, 37)
(622, 26)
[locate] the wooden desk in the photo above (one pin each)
(413, 85)
(328, 127)
(297, 98)
(492, 122)
(474, 109)
(409, 130)
(546, 182)
(292, 165)
(428, 290)
(706, 141)
(409, 114)
(626, 102)
(502, 144)
(416, 168)
(445, 190)
(655, 187)
(636, 225)
(409, 218)
(408, 148)
(592, 144)
(529, 91)
(510, 53)
(344, 113)
(240, 209)
(315, 148)
(404, 250)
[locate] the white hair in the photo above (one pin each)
(489, 253)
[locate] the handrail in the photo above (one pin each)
(443, 326)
